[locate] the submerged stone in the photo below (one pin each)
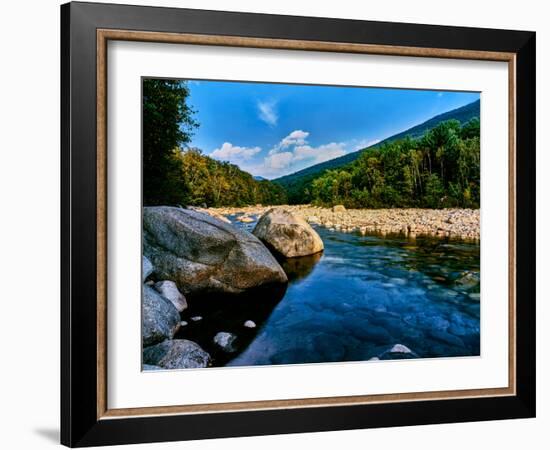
(226, 341)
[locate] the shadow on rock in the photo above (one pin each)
(300, 267)
(214, 319)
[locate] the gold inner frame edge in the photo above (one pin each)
(103, 36)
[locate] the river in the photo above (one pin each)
(357, 300)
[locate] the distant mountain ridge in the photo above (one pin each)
(302, 177)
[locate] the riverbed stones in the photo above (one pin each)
(249, 324)
(288, 234)
(226, 341)
(413, 222)
(160, 319)
(245, 219)
(213, 213)
(176, 354)
(468, 279)
(398, 351)
(202, 254)
(169, 290)
(400, 348)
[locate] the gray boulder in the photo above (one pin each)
(225, 341)
(147, 367)
(169, 290)
(159, 318)
(203, 254)
(146, 268)
(398, 351)
(176, 354)
(288, 234)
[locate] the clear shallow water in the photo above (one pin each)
(365, 294)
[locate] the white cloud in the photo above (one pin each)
(278, 161)
(268, 113)
(234, 153)
(297, 137)
(321, 153)
(355, 144)
(290, 154)
(294, 153)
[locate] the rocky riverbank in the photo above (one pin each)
(206, 285)
(212, 277)
(453, 223)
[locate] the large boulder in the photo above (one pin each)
(169, 290)
(176, 354)
(203, 254)
(288, 234)
(160, 319)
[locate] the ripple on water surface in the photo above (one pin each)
(365, 294)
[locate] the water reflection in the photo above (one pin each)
(211, 314)
(366, 294)
(296, 268)
(364, 297)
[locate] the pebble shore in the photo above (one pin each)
(453, 223)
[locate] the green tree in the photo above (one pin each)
(168, 124)
(434, 192)
(470, 129)
(439, 170)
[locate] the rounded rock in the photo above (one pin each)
(201, 253)
(288, 234)
(176, 354)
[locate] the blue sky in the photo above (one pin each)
(272, 130)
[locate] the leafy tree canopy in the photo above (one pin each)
(168, 124)
(439, 170)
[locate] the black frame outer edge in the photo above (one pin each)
(79, 426)
(65, 228)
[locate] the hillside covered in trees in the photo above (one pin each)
(438, 170)
(298, 184)
(432, 165)
(206, 181)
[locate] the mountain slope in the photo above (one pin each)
(297, 182)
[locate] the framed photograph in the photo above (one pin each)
(276, 224)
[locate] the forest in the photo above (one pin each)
(438, 169)
(173, 173)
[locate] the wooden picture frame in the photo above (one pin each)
(85, 417)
